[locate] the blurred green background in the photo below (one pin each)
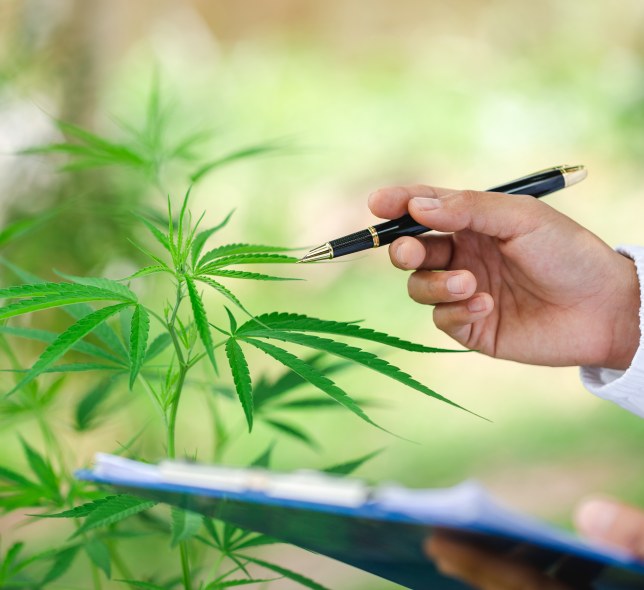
(462, 94)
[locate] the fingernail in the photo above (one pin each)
(596, 517)
(455, 285)
(401, 255)
(477, 304)
(426, 203)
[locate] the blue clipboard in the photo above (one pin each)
(379, 530)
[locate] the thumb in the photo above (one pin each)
(608, 521)
(493, 214)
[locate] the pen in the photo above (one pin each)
(537, 185)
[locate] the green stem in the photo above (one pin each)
(172, 422)
(185, 565)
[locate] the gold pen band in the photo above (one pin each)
(374, 235)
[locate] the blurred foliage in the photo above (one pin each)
(457, 94)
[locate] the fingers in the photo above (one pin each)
(485, 570)
(610, 522)
(431, 288)
(456, 319)
(425, 252)
(391, 202)
(493, 214)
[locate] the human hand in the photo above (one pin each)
(522, 281)
(601, 520)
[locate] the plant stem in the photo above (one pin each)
(183, 370)
(185, 565)
(172, 422)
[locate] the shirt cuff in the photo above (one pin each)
(625, 388)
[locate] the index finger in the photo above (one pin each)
(391, 202)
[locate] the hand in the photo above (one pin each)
(522, 281)
(601, 520)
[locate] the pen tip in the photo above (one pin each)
(323, 252)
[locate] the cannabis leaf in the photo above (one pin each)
(291, 575)
(66, 340)
(201, 321)
(40, 296)
(241, 376)
(140, 328)
(113, 509)
(184, 524)
(312, 375)
(302, 323)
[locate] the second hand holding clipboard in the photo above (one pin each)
(380, 530)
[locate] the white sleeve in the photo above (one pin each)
(625, 388)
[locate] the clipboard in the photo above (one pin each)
(380, 529)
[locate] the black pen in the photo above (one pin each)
(537, 185)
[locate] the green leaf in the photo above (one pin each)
(238, 582)
(43, 471)
(158, 345)
(112, 510)
(66, 340)
(291, 575)
(62, 562)
(256, 541)
(71, 368)
(48, 295)
(182, 216)
(88, 409)
(90, 150)
(149, 254)
(114, 287)
(148, 270)
(49, 337)
(246, 259)
(247, 152)
(10, 558)
(238, 248)
(253, 276)
(20, 227)
(103, 332)
(16, 478)
(156, 232)
(139, 584)
(202, 237)
(184, 525)
(265, 392)
(231, 320)
(224, 291)
(293, 431)
(241, 377)
(313, 376)
(99, 555)
(356, 355)
(139, 331)
(303, 323)
(350, 466)
(264, 459)
(201, 321)
(80, 511)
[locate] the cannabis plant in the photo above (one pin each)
(131, 348)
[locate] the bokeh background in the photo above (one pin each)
(364, 94)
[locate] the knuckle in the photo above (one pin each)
(467, 198)
(424, 190)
